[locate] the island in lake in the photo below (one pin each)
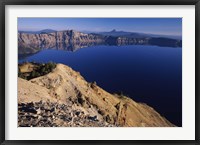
(74, 78)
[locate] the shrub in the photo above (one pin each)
(39, 70)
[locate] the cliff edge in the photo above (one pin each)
(64, 98)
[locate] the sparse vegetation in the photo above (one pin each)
(121, 95)
(32, 70)
(68, 97)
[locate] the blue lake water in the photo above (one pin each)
(149, 74)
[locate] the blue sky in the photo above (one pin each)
(165, 26)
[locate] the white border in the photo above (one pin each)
(187, 132)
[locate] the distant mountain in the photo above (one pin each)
(32, 42)
(116, 33)
(38, 32)
(113, 32)
(164, 36)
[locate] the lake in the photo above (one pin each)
(148, 74)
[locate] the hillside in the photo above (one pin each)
(64, 98)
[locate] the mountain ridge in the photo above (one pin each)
(115, 32)
(108, 33)
(32, 43)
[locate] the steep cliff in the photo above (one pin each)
(64, 98)
(29, 43)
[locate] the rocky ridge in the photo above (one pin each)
(71, 40)
(31, 43)
(64, 98)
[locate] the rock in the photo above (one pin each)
(75, 118)
(28, 108)
(29, 43)
(94, 118)
(77, 113)
(72, 40)
(39, 111)
(108, 118)
(97, 111)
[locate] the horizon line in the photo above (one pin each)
(82, 31)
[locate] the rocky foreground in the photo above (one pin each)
(63, 98)
(48, 114)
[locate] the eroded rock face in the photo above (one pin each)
(72, 40)
(66, 87)
(30, 43)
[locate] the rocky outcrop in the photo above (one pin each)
(126, 41)
(31, 43)
(167, 42)
(95, 106)
(72, 40)
(52, 114)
